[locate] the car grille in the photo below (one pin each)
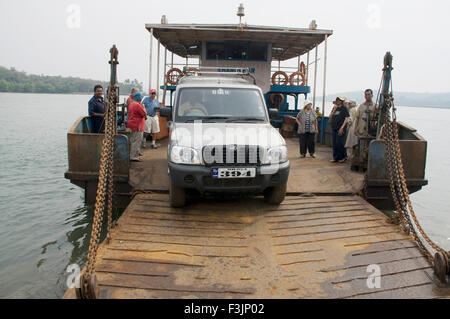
(232, 155)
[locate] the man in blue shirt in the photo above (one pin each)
(96, 108)
(152, 123)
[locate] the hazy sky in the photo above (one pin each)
(47, 37)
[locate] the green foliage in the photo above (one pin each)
(12, 80)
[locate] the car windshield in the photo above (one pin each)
(220, 105)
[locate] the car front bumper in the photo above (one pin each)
(200, 177)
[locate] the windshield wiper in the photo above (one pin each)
(246, 119)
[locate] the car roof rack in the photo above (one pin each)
(220, 71)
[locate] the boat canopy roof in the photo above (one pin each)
(185, 40)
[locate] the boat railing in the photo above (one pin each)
(85, 147)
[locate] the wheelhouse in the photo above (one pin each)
(279, 58)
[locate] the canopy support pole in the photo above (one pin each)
(307, 68)
(150, 67)
(322, 130)
(324, 74)
(164, 77)
(315, 81)
(157, 71)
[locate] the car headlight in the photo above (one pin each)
(276, 155)
(184, 155)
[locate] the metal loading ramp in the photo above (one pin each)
(307, 247)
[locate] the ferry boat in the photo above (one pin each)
(317, 243)
(262, 49)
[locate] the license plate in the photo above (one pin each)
(234, 172)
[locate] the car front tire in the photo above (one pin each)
(177, 195)
(275, 195)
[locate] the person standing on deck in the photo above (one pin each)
(318, 113)
(352, 139)
(130, 100)
(152, 123)
(96, 108)
(130, 97)
(307, 129)
(339, 118)
(365, 112)
(136, 122)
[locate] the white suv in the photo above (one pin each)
(221, 140)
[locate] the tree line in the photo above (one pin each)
(12, 80)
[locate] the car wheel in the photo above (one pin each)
(275, 195)
(177, 196)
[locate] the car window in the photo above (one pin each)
(226, 103)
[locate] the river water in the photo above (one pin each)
(44, 225)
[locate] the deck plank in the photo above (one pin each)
(317, 248)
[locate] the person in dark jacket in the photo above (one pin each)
(339, 118)
(96, 109)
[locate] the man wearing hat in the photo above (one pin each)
(339, 118)
(152, 123)
(136, 123)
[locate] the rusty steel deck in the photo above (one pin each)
(307, 247)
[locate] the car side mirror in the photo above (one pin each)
(166, 112)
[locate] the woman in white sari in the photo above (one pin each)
(352, 139)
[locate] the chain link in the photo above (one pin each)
(398, 185)
(104, 194)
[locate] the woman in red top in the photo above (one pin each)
(130, 97)
(136, 123)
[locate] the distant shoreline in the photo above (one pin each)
(13, 81)
(92, 93)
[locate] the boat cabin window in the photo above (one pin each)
(257, 51)
(215, 51)
(236, 50)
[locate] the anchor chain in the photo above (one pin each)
(400, 194)
(104, 188)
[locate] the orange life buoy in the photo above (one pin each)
(302, 68)
(295, 78)
(278, 73)
(173, 76)
(278, 102)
